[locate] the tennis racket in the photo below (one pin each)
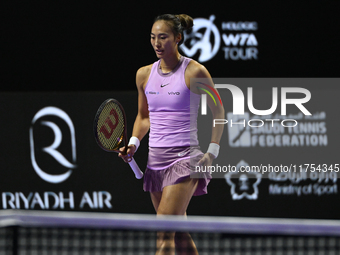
(110, 130)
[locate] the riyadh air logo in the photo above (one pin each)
(204, 38)
(243, 184)
(46, 127)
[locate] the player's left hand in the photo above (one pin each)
(206, 160)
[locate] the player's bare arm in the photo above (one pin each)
(197, 70)
(142, 124)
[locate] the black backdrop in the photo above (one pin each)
(100, 45)
(60, 54)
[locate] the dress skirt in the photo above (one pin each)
(180, 164)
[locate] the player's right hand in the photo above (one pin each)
(129, 153)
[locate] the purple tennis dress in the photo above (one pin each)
(173, 146)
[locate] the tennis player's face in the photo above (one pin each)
(163, 40)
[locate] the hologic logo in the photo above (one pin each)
(52, 150)
(200, 41)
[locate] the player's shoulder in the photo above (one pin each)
(144, 70)
(143, 74)
(196, 70)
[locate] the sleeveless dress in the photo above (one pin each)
(173, 145)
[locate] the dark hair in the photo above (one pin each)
(178, 23)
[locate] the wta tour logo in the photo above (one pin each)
(39, 136)
(201, 41)
(239, 41)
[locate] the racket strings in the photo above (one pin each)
(110, 127)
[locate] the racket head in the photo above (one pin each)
(109, 125)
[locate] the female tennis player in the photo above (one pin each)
(166, 102)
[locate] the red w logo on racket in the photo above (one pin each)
(109, 122)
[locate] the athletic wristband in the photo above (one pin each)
(134, 141)
(214, 149)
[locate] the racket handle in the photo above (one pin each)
(135, 169)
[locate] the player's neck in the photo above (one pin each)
(169, 64)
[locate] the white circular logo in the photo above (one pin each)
(52, 149)
(204, 38)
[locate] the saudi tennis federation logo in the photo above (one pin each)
(204, 38)
(239, 135)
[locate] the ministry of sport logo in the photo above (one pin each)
(243, 184)
(239, 40)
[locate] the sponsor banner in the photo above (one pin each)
(51, 161)
(243, 39)
(288, 119)
(279, 145)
